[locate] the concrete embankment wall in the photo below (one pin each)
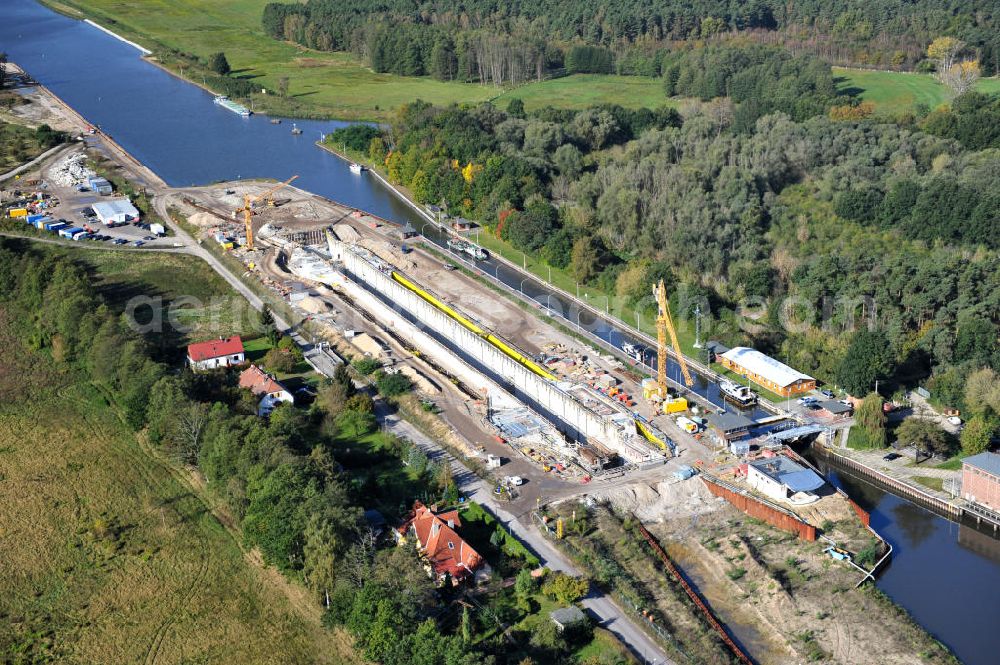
(897, 487)
(571, 414)
(761, 510)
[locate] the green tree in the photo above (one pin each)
(319, 557)
(392, 385)
(217, 63)
(279, 361)
(525, 584)
(265, 324)
(584, 260)
(978, 433)
(276, 515)
(869, 358)
(869, 424)
(467, 628)
(366, 365)
(515, 108)
(924, 435)
(565, 588)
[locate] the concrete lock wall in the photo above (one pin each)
(576, 417)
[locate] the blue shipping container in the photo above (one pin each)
(68, 233)
(54, 226)
(33, 218)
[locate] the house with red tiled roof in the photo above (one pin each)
(266, 387)
(214, 353)
(438, 541)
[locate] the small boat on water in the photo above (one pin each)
(275, 121)
(230, 105)
(734, 392)
(357, 169)
(295, 129)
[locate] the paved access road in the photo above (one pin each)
(607, 613)
(604, 610)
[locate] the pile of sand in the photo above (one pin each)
(203, 219)
(667, 499)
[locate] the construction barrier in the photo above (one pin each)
(762, 511)
(693, 595)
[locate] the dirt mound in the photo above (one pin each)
(667, 499)
(203, 220)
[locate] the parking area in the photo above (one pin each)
(60, 200)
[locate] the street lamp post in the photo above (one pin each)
(697, 327)
(521, 287)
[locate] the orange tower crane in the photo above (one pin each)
(248, 207)
(665, 325)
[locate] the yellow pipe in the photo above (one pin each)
(491, 338)
(648, 433)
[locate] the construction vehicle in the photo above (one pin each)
(248, 207)
(665, 326)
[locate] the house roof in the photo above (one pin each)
(728, 421)
(567, 616)
(789, 473)
(215, 348)
(259, 382)
(106, 209)
(834, 407)
(988, 462)
(440, 543)
(757, 363)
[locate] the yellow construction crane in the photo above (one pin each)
(664, 325)
(249, 201)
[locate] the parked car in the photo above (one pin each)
(827, 394)
(120, 241)
(138, 243)
(516, 481)
(891, 456)
(149, 238)
(805, 401)
(449, 266)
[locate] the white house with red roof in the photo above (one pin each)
(438, 541)
(265, 386)
(222, 352)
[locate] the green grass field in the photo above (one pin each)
(324, 84)
(111, 555)
(582, 90)
(900, 91)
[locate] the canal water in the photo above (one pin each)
(174, 128)
(946, 576)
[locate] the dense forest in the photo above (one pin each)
(295, 485)
(519, 40)
(765, 198)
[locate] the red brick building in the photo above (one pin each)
(981, 480)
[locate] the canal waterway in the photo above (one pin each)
(947, 576)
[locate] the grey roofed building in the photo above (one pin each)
(834, 407)
(789, 473)
(115, 211)
(988, 462)
(565, 617)
(729, 425)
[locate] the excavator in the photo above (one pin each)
(247, 209)
(665, 326)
